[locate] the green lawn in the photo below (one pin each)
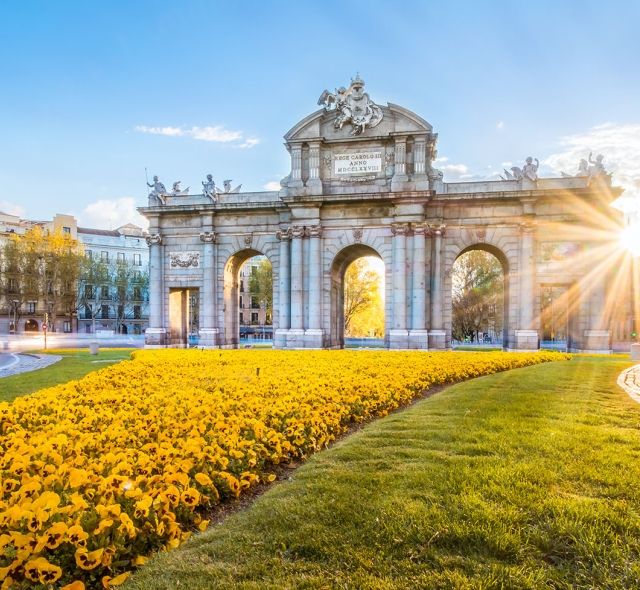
(73, 366)
(523, 479)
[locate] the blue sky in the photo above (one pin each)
(220, 83)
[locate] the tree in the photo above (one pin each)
(261, 286)
(363, 302)
(121, 286)
(41, 267)
(477, 295)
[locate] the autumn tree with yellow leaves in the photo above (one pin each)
(363, 300)
(42, 267)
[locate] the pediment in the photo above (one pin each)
(396, 120)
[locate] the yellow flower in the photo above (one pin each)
(109, 582)
(88, 561)
(190, 497)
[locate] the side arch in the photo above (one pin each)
(230, 293)
(505, 247)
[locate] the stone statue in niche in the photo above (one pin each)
(352, 105)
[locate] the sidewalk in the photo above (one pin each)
(21, 363)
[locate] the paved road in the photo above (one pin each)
(13, 364)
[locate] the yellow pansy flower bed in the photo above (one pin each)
(96, 474)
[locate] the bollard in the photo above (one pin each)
(94, 347)
(5, 345)
(635, 352)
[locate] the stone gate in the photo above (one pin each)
(362, 182)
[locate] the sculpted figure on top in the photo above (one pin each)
(352, 105)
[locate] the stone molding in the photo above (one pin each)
(437, 230)
(283, 234)
(399, 229)
(421, 228)
(314, 231)
(297, 231)
(184, 259)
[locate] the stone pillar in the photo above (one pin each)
(296, 166)
(400, 170)
(155, 335)
(313, 334)
(295, 336)
(208, 329)
(399, 335)
(597, 338)
(526, 336)
(437, 333)
(284, 290)
(418, 336)
(314, 183)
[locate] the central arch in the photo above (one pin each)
(339, 266)
(231, 294)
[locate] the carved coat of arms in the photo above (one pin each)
(352, 105)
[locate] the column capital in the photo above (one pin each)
(284, 233)
(154, 240)
(399, 229)
(421, 228)
(437, 230)
(208, 237)
(297, 231)
(527, 227)
(314, 231)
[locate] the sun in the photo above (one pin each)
(630, 239)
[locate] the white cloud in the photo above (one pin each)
(111, 214)
(12, 208)
(499, 124)
(620, 145)
(274, 185)
(216, 133)
(249, 142)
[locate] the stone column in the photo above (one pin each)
(597, 338)
(399, 335)
(400, 170)
(155, 334)
(295, 337)
(208, 329)
(420, 176)
(526, 335)
(284, 290)
(314, 183)
(418, 336)
(296, 166)
(313, 335)
(437, 333)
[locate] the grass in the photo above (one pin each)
(74, 364)
(523, 479)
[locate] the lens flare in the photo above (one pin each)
(630, 239)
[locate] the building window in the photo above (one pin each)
(254, 317)
(137, 260)
(66, 326)
(88, 291)
(89, 254)
(137, 294)
(241, 318)
(137, 329)
(104, 312)
(120, 257)
(87, 312)
(13, 286)
(66, 230)
(255, 304)
(104, 256)
(87, 328)
(241, 286)
(137, 312)
(104, 294)
(31, 307)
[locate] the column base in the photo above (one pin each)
(526, 340)
(295, 338)
(280, 338)
(313, 338)
(597, 341)
(208, 338)
(438, 339)
(399, 339)
(419, 339)
(155, 338)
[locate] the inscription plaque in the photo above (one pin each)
(358, 162)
